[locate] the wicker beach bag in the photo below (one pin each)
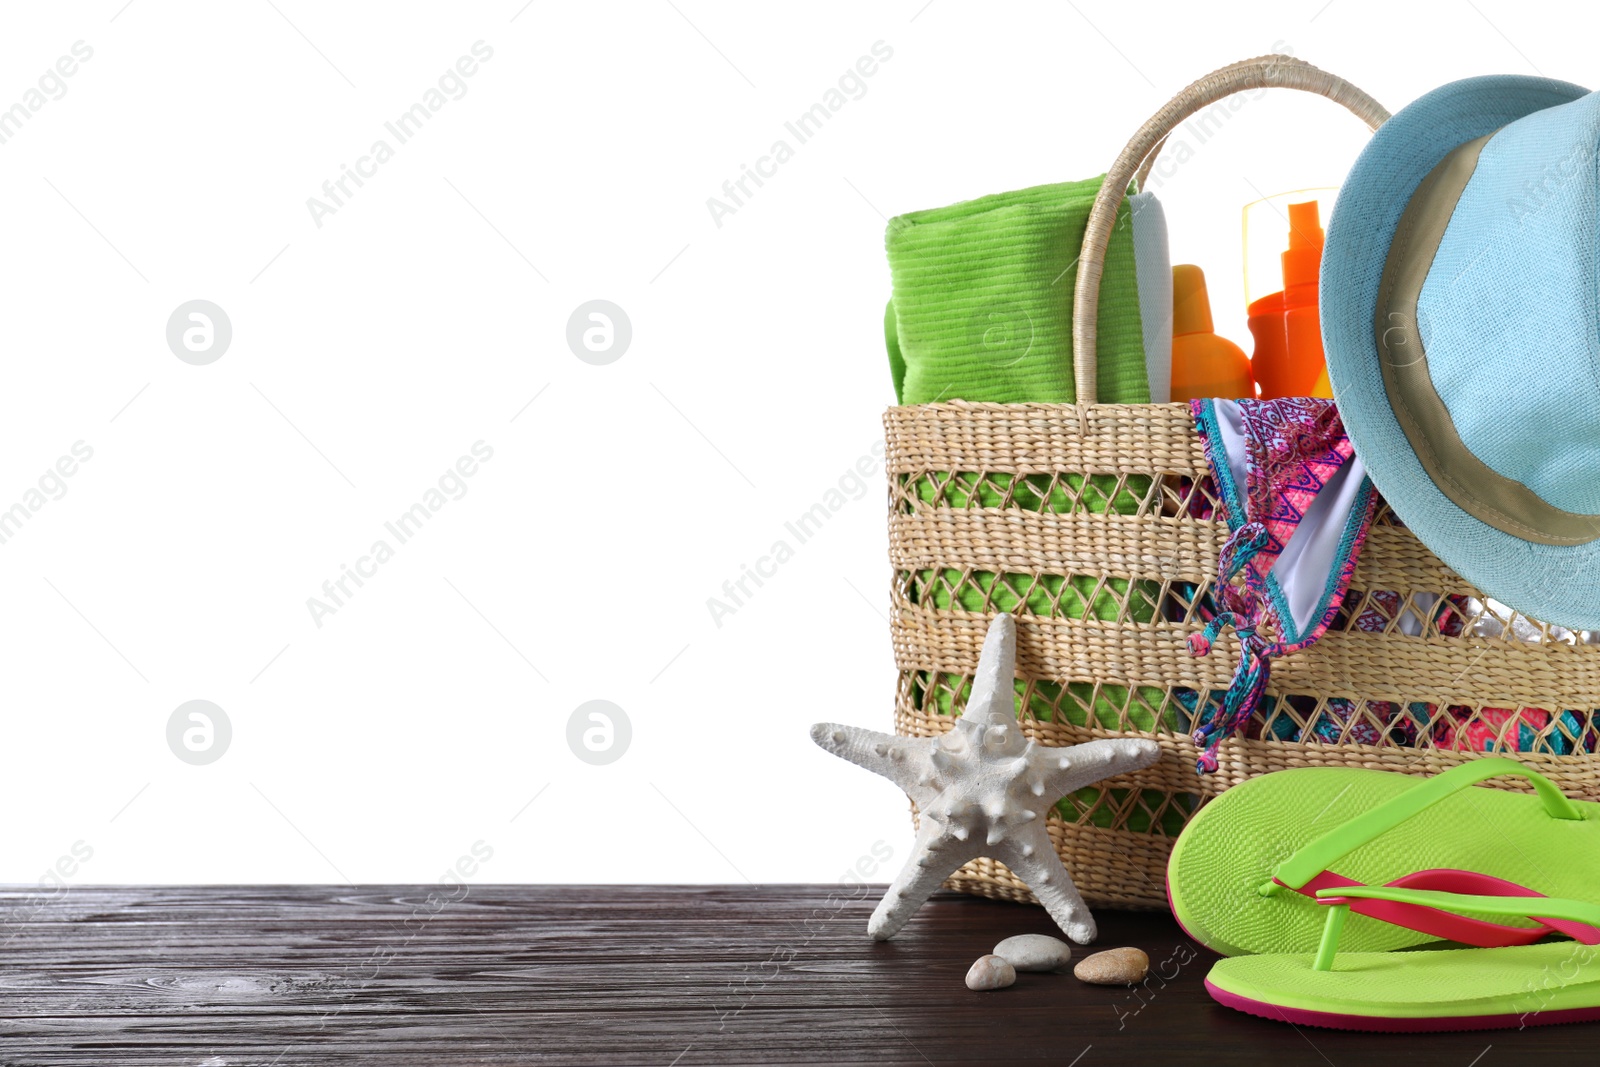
(1080, 520)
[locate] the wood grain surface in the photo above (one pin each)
(618, 975)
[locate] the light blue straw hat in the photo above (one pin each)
(1460, 303)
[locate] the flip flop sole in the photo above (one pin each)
(1423, 991)
(1233, 845)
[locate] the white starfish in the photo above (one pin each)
(983, 790)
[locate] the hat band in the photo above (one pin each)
(1504, 503)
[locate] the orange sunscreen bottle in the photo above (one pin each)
(1287, 329)
(1203, 364)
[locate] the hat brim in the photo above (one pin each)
(1555, 584)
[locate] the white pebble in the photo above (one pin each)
(991, 972)
(1035, 952)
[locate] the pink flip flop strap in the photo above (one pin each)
(1468, 931)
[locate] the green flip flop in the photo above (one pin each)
(1443, 989)
(1244, 874)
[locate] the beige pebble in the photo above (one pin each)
(991, 972)
(1035, 952)
(1114, 966)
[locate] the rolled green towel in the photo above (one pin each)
(982, 311)
(982, 307)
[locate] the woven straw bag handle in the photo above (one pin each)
(1271, 71)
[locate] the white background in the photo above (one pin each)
(368, 354)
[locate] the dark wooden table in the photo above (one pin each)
(500, 975)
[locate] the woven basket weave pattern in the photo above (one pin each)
(1080, 519)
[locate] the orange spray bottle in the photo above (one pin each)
(1287, 329)
(1203, 364)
